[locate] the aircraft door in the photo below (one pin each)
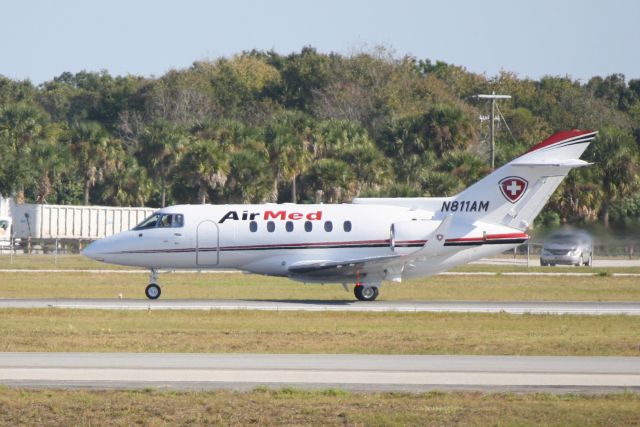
(207, 244)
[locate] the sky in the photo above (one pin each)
(40, 39)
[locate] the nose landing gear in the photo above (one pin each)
(153, 291)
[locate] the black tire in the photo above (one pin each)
(152, 291)
(543, 264)
(366, 293)
(589, 262)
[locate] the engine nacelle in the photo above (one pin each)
(411, 234)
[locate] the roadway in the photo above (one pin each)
(511, 307)
(353, 372)
(534, 261)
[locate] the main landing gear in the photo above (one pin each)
(153, 291)
(365, 292)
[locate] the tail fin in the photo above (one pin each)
(514, 194)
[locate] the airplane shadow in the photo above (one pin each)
(306, 302)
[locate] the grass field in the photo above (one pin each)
(309, 332)
(245, 286)
(65, 262)
(45, 262)
(316, 332)
(328, 408)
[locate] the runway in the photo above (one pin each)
(554, 272)
(354, 372)
(510, 307)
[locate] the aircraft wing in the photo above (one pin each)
(372, 269)
(367, 269)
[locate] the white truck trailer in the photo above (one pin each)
(66, 222)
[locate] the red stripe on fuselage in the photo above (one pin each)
(355, 242)
(490, 237)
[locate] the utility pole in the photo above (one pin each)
(493, 98)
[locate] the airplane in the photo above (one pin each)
(366, 242)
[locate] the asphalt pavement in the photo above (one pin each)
(354, 372)
(511, 307)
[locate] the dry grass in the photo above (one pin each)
(73, 262)
(326, 408)
(245, 286)
(49, 261)
(313, 332)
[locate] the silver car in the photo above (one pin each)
(570, 248)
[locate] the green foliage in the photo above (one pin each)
(333, 178)
(260, 126)
(249, 180)
(22, 137)
(302, 74)
(617, 167)
(627, 211)
(161, 146)
(202, 169)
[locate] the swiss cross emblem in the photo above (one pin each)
(513, 188)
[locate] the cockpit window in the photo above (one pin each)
(161, 220)
(171, 220)
(150, 222)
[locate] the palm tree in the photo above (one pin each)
(161, 146)
(21, 125)
(616, 165)
(95, 151)
(350, 143)
(128, 185)
(464, 165)
(250, 180)
(48, 159)
(288, 140)
(334, 178)
(204, 166)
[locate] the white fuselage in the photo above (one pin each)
(367, 242)
(269, 238)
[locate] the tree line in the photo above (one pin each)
(308, 127)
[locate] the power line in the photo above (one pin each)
(493, 98)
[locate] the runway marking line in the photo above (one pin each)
(319, 377)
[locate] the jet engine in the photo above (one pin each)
(411, 234)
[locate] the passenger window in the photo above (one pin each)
(289, 226)
(271, 226)
(347, 226)
(308, 226)
(328, 226)
(178, 220)
(253, 226)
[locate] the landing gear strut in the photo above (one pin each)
(153, 291)
(366, 292)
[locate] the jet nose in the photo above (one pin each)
(92, 251)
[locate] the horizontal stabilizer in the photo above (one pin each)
(571, 163)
